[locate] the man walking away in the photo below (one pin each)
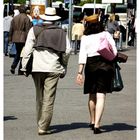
(51, 49)
(6, 26)
(20, 26)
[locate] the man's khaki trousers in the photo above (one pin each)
(46, 84)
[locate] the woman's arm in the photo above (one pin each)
(82, 61)
(79, 79)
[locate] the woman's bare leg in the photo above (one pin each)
(100, 103)
(91, 105)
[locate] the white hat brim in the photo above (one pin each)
(49, 18)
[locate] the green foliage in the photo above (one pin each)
(60, 0)
(21, 1)
(89, 1)
(6, 1)
(16, 1)
(98, 1)
(81, 3)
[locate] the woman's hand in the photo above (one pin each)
(79, 79)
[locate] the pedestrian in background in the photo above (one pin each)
(77, 32)
(114, 29)
(131, 30)
(6, 28)
(20, 26)
(118, 40)
(98, 71)
(51, 49)
(16, 11)
(112, 24)
(28, 14)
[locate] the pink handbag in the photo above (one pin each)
(105, 49)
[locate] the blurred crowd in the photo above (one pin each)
(111, 23)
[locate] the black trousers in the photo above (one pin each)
(17, 59)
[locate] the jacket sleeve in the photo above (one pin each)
(28, 25)
(11, 32)
(28, 49)
(65, 56)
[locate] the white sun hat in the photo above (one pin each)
(50, 14)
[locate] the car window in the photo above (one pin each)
(90, 11)
(118, 9)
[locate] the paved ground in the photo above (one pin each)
(71, 117)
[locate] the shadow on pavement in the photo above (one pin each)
(118, 127)
(6, 118)
(66, 127)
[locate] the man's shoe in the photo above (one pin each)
(12, 71)
(43, 132)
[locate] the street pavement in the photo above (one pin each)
(71, 116)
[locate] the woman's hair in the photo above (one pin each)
(111, 18)
(93, 28)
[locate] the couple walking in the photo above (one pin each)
(51, 50)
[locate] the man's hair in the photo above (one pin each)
(22, 9)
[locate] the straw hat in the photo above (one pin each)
(92, 18)
(50, 14)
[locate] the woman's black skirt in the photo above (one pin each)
(98, 75)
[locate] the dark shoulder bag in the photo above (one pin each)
(117, 84)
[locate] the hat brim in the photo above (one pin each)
(92, 19)
(49, 18)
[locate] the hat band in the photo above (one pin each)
(50, 15)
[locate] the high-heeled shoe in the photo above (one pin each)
(97, 130)
(91, 125)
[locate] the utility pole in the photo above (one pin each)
(94, 6)
(49, 3)
(70, 18)
(11, 7)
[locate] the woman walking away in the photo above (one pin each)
(98, 71)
